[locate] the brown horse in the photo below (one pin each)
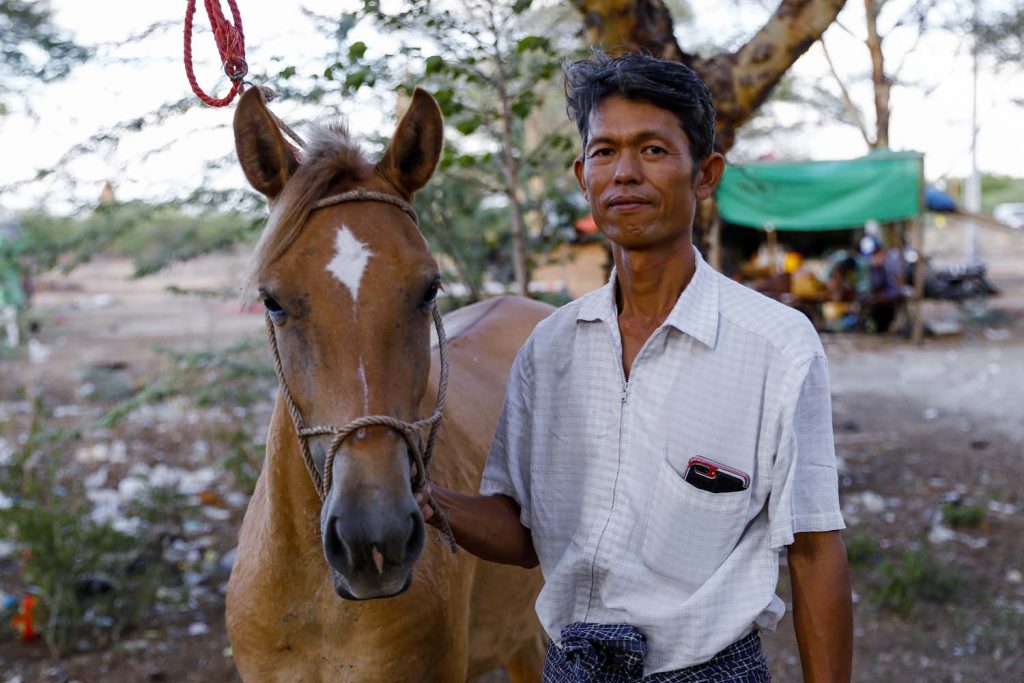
(349, 289)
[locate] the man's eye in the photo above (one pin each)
(654, 150)
(601, 152)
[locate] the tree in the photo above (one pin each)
(739, 81)
(1002, 35)
(883, 19)
(490, 65)
(32, 48)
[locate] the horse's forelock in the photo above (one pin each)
(330, 155)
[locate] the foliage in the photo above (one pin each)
(997, 189)
(93, 580)
(493, 66)
(1002, 35)
(916, 576)
(155, 236)
(961, 516)
(32, 49)
(236, 376)
(861, 550)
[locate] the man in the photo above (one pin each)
(664, 437)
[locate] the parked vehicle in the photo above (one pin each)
(1011, 215)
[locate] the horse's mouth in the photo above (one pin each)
(388, 589)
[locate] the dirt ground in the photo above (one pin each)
(921, 432)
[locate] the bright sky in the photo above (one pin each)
(164, 159)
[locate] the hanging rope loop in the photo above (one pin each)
(230, 45)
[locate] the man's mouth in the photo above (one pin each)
(627, 202)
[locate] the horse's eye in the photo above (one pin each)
(273, 308)
(431, 293)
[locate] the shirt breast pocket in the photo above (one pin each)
(690, 532)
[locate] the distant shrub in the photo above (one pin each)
(94, 578)
(915, 577)
(961, 516)
(861, 549)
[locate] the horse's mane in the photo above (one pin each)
(330, 156)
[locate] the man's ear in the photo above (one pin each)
(709, 174)
(266, 159)
(414, 151)
(577, 168)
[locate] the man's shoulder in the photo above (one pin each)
(562, 322)
(785, 329)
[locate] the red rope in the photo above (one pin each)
(230, 45)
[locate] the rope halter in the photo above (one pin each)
(411, 432)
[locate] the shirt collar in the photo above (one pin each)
(695, 312)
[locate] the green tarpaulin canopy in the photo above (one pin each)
(823, 195)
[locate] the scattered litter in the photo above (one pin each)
(974, 542)
(37, 352)
(198, 629)
(1001, 508)
(1014, 576)
(217, 514)
(97, 479)
(115, 453)
(997, 334)
(91, 303)
(872, 502)
(930, 413)
(70, 410)
(941, 534)
(236, 499)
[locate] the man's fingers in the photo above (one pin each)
(423, 500)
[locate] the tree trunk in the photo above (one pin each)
(739, 81)
(881, 82)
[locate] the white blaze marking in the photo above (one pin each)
(366, 388)
(350, 259)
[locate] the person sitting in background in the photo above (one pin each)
(885, 279)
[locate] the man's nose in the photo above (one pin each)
(627, 168)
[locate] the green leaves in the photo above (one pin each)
(356, 50)
(521, 6)
(468, 126)
(433, 65)
(533, 43)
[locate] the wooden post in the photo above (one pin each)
(716, 243)
(773, 248)
(917, 332)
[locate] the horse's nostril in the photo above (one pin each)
(334, 546)
(414, 544)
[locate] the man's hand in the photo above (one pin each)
(486, 526)
(822, 607)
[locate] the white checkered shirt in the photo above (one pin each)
(596, 463)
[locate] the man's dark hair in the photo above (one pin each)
(670, 85)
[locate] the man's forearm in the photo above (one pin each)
(822, 606)
(488, 527)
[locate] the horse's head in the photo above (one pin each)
(349, 290)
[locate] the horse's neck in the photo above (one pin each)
(293, 508)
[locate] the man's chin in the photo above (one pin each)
(357, 590)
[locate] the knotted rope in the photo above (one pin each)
(230, 44)
(411, 432)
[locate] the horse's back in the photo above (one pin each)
(483, 340)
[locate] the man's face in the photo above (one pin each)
(637, 174)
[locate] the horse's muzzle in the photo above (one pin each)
(372, 547)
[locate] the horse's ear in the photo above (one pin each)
(266, 159)
(412, 156)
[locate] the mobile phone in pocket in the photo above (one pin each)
(708, 475)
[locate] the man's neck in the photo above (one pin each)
(649, 282)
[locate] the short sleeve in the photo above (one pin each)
(805, 484)
(507, 470)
